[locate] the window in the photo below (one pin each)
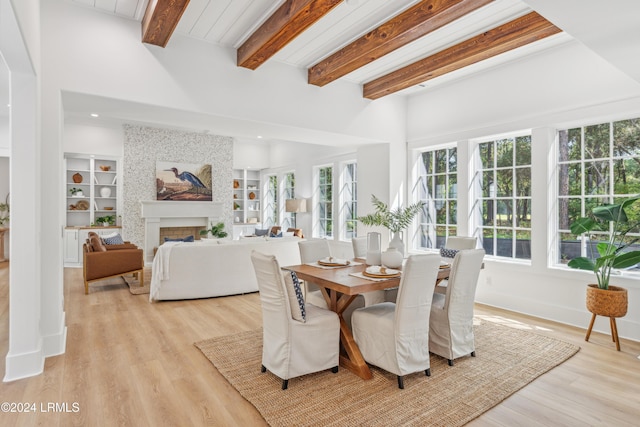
(504, 179)
(437, 186)
(349, 197)
(289, 184)
(325, 199)
(271, 202)
(597, 164)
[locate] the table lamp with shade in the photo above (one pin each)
(295, 206)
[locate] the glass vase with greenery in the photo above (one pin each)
(611, 254)
(395, 220)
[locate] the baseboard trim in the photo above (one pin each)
(24, 365)
(56, 344)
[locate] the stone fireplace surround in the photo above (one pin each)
(164, 214)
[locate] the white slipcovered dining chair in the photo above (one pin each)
(291, 348)
(457, 243)
(461, 242)
(451, 325)
(359, 245)
(312, 251)
(395, 336)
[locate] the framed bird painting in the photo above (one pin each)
(183, 181)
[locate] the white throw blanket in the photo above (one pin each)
(161, 260)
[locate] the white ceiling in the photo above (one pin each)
(230, 22)
(611, 32)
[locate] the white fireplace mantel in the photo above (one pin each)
(169, 213)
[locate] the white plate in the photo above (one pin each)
(376, 269)
(334, 261)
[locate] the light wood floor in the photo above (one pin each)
(132, 363)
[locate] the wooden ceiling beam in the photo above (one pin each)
(410, 25)
(284, 25)
(160, 19)
(519, 32)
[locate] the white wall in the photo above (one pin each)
(530, 92)
(97, 138)
(568, 85)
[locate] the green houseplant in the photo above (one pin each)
(106, 220)
(216, 231)
(611, 253)
(395, 220)
(604, 299)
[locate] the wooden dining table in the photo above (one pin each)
(339, 289)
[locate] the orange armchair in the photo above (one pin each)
(102, 261)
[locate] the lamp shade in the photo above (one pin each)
(295, 205)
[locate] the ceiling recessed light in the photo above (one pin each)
(94, 115)
(259, 136)
(9, 105)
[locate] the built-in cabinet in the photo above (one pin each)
(92, 189)
(74, 237)
(246, 201)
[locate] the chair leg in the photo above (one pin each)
(263, 369)
(450, 361)
(593, 319)
(473, 354)
(614, 333)
(141, 277)
(334, 369)
(285, 384)
(86, 287)
(427, 372)
(400, 382)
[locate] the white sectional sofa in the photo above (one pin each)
(211, 268)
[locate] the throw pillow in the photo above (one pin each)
(96, 244)
(113, 240)
(448, 253)
(276, 235)
(287, 234)
(260, 232)
(184, 239)
(296, 299)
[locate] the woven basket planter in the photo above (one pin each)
(610, 302)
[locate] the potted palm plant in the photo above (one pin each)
(604, 299)
(395, 220)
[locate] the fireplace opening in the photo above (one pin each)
(179, 233)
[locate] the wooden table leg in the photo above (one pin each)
(353, 359)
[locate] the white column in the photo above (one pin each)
(25, 356)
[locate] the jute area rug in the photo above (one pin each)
(134, 284)
(507, 360)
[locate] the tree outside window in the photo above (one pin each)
(271, 202)
(437, 187)
(504, 179)
(289, 184)
(597, 164)
(325, 202)
(349, 197)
